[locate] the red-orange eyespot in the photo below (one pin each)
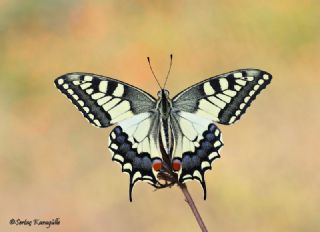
(176, 165)
(157, 164)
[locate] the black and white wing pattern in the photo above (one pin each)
(197, 143)
(223, 99)
(104, 102)
(134, 144)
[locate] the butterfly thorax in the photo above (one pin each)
(164, 103)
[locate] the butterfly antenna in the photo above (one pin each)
(153, 72)
(168, 71)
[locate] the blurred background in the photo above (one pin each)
(54, 164)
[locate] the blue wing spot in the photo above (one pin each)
(187, 162)
(195, 161)
(130, 155)
(211, 128)
(117, 130)
(207, 146)
(201, 153)
(124, 148)
(121, 139)
(146, 163)
(210, 137)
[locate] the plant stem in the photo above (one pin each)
(193, 207)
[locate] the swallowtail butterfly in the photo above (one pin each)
(176, 139)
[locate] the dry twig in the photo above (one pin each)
(193, 207)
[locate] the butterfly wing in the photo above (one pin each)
(134, 145)
(105, 101)
(197, 144)
(223, 98)
(102, 100)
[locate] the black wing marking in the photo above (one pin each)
(223, 98)
(197, 145)
(102, 100)
(134, 144)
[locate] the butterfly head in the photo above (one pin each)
(164, 103)
(163, 93)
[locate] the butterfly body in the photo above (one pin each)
(172, 139)
(164, 107)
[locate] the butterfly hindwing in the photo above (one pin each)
(102, 100)
(197, 145)
(223, 98)
(133, 144)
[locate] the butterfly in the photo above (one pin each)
(172, 139)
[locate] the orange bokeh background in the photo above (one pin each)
(55, 164)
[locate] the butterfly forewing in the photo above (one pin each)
(102, 100)
(223, 98)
